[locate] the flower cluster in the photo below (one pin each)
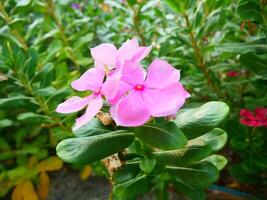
(256, 119)
(133, 94)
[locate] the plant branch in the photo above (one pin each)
(200, 58)
(8, 20)
(52, 13)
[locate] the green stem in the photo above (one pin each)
(200, 58)
(136, 23)
(52, 13)
(8, 20)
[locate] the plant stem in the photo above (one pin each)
(52, 13)
(15, 32)
(136, 23)
(200, 58)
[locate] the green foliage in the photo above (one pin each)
(163, 150)
(44, 46)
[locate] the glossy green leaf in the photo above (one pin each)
(94, 127)
(147, 164)
(216, 138)
(33, 118)
(199, 176)
(196, 121)
(15, 102)
(217, 160)
(5, 123)
(193, 152)
(254, 63)
(162, 136)
(89, 149)
(131, 188)
(187, 190)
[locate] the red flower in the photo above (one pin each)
(233, 73)
(257, 118)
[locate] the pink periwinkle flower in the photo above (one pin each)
(157, 93)
(120, 79)
(258, 118)
(233, 73)
(107, 56)
(91, 80)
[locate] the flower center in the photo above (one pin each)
(139, 87)
(97, 92)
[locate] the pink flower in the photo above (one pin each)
(257, 118)
(106, 56)
(233, 73)
(91, 80)
(157, 94)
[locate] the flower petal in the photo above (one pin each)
(165, 101)
(105, 54)
(128, 50)
(73, 104)
(92, 109)
(114, 88)
(133, 73)
(160, 74)
(92, 80)
(244, 113)
(141, 53)
(131, 111)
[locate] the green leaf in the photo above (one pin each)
(15, 102)
(188, 191)
(147, 164)
(199, 176)
(5, 123)
(33, 118)
(89, 149)
(242, 48)
(254, 63)
(46, 75)
(31, 62)
(21, 3)
(194, 151)
(196, 121)
(163, 136)
(131, 188)
(175, 5)
(125, 173)
(94, 127)
(216, 138)
(217, 160)
(249, 10)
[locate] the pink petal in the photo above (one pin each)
(133, 73)
(142, 53)
(131, 111)
(261, 113)
(114, 89)
(92, 80)
(128, 50)
(105, 54)
(73, 104)
(160, 74)
(165, 101)
(244, 113)
(92, 109)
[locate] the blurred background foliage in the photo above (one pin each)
(219, 45)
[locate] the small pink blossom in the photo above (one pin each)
(257, 118)
(157, 93)
(91, 80)
(120, 79)
(107, 56)
(233, 73)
